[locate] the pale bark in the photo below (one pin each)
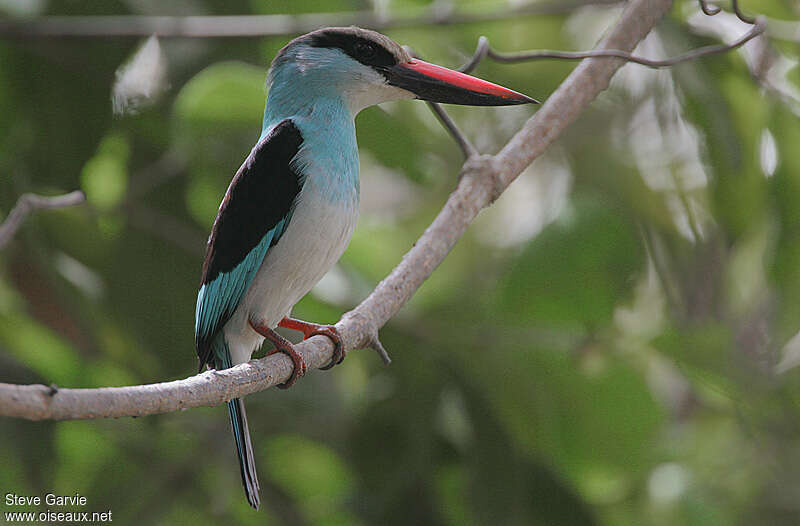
(28, 203)
(483, 178)
(238, 26)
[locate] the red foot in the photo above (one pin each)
(312, 329)
(285, 346)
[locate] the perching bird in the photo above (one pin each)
(290, 210)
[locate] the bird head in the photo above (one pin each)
(367, 68)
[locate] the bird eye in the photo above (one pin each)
(365, 50)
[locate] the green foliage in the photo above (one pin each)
(577, 270)
(611, 343)
(40, 350)
(105, 176)
(311, 474)
(225, 92)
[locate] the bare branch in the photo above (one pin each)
(483, 177)
(376, 345)
(466, 147)
(709, 10)
(526, 56)
(585, 82)
(480, 53)
(261, 25)
(27, 203)
(744, 18)
(444, 118)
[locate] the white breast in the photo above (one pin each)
(315, 239)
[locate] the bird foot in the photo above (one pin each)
(338, 348)
(285, 346)
(313, 329)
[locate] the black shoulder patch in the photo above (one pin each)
(260, 195)
(364, 50)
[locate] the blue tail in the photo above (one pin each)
(244, 448)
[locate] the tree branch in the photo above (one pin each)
(482, 180)
(28, 203)
(744, 18)
(709, 10)
(262, 25)
(484, 50)
(452, 128)
(446, 121)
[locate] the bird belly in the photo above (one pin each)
(315, 239)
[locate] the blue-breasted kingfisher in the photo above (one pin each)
(291, 208)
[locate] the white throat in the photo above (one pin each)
(372, 91)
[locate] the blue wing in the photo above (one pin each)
(253, 215)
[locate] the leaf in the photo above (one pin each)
(82, 450)
(104, 178)
(223, 93)
(40, 350)
(310, 472)
(704, 354)
(576, 270)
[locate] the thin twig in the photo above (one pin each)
(375, 344)
(709, 10)
(482, 177)
(27, 203)
(480, 53)
(449, 124)
(526, 56)
(483, 49)
(262, 25)
(744, 18)
(466, 147)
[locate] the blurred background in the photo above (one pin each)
(613, 342)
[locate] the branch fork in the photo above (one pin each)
(28, 203)
(483, 179)
(482, 170)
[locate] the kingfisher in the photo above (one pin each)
(291, 208)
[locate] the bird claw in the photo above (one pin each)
(300, 366)
(338, 348)
(313, 329)
(285, 346)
